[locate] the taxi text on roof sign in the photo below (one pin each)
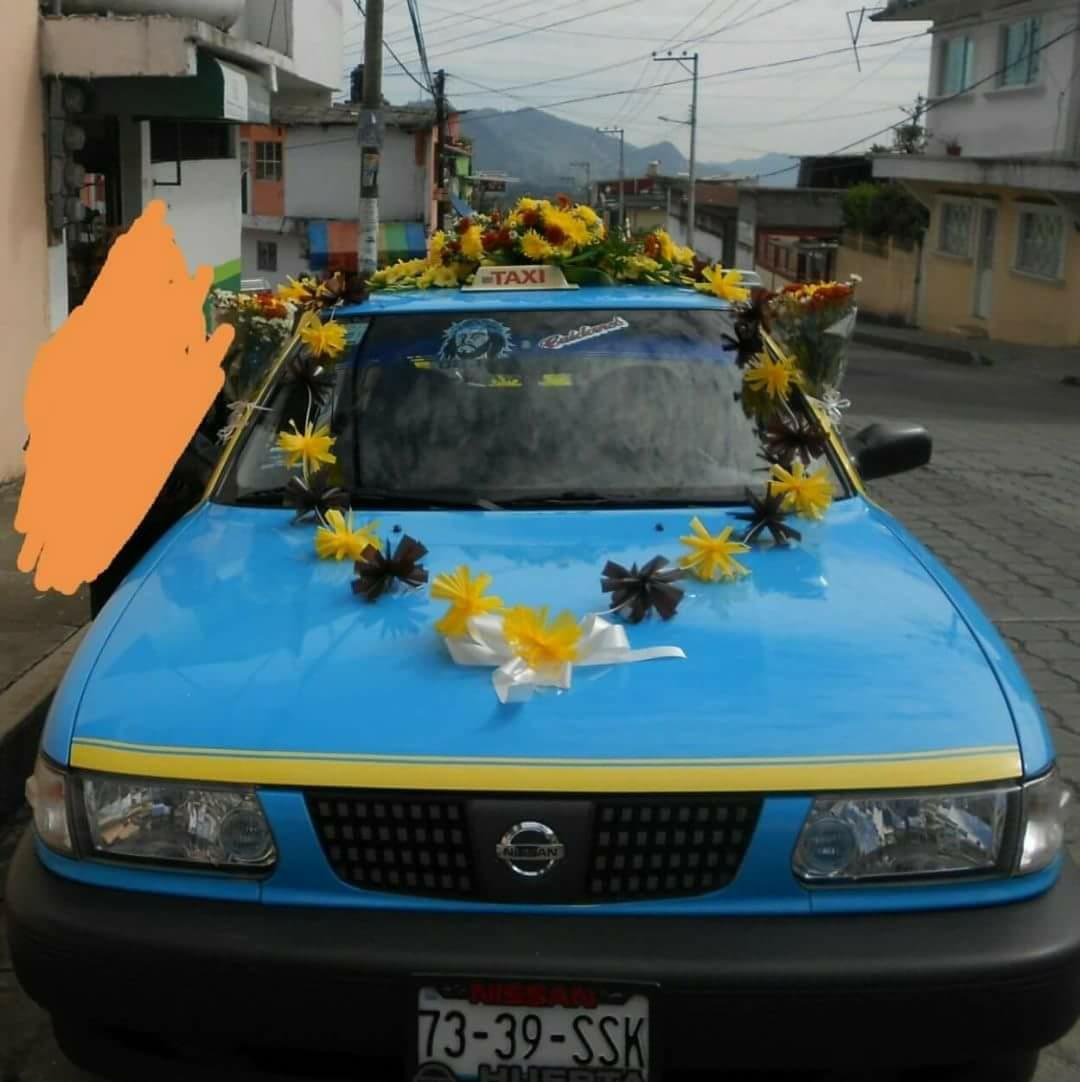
(530, 276)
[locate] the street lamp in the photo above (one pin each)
(681, 59)
(622, 186)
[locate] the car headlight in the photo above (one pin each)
(146, 819)
(871, 836)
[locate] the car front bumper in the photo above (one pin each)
(776, 992)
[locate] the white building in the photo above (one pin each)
(1001, 172)
(157, 89)
(302, 184)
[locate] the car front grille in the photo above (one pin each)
(625, 848)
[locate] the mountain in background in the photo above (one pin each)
(538, 148)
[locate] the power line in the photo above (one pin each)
(386, 45)
(542, 27)
(714, 75)
(421, 48)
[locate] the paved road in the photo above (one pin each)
(1000, 504)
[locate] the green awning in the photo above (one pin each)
(218, 91)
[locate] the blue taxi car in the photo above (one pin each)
(277, 828)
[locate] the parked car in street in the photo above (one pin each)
(798, 811)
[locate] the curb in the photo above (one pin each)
(23, 708)
(952, 354)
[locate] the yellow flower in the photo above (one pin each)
(444, 276)
(667, 245)
(466, 597)
(712, 558)
(472, 246)
(310, 448)
(807, 494)
(574, 228)
(724, 284)
(294, 291)
(684, 255)
(324, 339)
(533, 246)
(539, 643)
(775, 376)
(436, 246)
(525, 203)
(338, 540)
(586, 214)
(637, 265)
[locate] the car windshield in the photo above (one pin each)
(524, 407)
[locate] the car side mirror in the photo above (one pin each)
(882, 449)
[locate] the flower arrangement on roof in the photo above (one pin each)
(569, 235)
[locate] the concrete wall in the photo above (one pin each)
(1024, 309)
(707, 245)
(290, 255)
(888, 273)
(322, 171)
(205, 214)
(308, 31)
(24, 270)
(992, 120)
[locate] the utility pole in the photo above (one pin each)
(622, 182)
(587, 166)
(442, 125)
(681, 59)
(370, 138)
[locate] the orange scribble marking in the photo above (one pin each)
(112, 400)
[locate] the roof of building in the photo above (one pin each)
(405, 117)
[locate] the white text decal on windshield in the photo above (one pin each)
(580, 334)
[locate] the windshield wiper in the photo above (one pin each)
(412, 498)
(583, 498)
(260, 497)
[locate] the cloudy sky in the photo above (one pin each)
(592, 48)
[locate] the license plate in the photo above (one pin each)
(511, 1031)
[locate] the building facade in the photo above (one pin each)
(788, 235)
(107, 112)
(301, 187)
(1001, 172)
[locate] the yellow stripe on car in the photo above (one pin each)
(961, 766)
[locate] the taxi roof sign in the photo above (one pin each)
(528, 276)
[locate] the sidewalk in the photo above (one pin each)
(37, 638)
(979, 352)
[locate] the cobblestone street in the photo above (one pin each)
(1000, 504)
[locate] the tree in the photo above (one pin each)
(908, 138)
(882, 210)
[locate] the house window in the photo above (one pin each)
(1019, 53)
(266, 255)
(955, 234)
(1040, 243)
(957, 60)
(268, 161)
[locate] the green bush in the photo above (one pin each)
(884, 210)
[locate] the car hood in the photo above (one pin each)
(839, 661)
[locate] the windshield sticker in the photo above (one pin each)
(556, 379)
(583, 333)
(420, 362)
(504, 381)
(472, 340)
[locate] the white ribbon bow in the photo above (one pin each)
(833, 405)
(602, 643)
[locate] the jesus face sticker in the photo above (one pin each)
(474, 340)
